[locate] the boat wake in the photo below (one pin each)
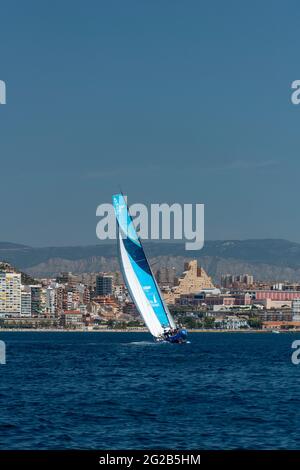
(151, 343)
(145, 343)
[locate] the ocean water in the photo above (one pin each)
(122, 391)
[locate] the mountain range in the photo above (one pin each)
(266, 259)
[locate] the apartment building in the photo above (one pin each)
(10, 294)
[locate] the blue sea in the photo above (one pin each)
(122, 391)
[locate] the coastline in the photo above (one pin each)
(138, 330)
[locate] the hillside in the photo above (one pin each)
(266, 259)
(26, 278)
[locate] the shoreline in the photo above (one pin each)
(138, 330)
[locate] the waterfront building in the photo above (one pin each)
(232, 322)
(50, 301)
(225, 300)
(59, 294)
(72, 318)
(273, 304)
(296, 309)
(276, 294)
(25, 303)
(195, 300)
(71, 299)
(215, 300)
(279, 325)
(38, 300)
(104, 284)
(10, 294)
(275, 315)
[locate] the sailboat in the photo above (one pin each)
(140, 281)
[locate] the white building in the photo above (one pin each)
(296, 309)
(120, 292)
(232, 323)
(50, 301)
(10, 294)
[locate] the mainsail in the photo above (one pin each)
(137, 273)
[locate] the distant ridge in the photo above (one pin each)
(9, 245)
(265, 258)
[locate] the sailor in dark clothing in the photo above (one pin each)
(166, 333)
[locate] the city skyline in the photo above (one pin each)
(102, 301)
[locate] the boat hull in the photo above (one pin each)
(178, 338)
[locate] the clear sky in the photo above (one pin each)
(176, 101)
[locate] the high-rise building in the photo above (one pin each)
(246, 279)
(59, 294)
(10, 294)
(104, 284)
(50, 301)
(25, 304)
(86, 298)
(166, 276)
(296, 309)
(71, 300)
(38, 300)
(230, 280)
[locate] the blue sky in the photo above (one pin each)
(174, 101)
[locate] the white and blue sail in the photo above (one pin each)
(138, 275)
